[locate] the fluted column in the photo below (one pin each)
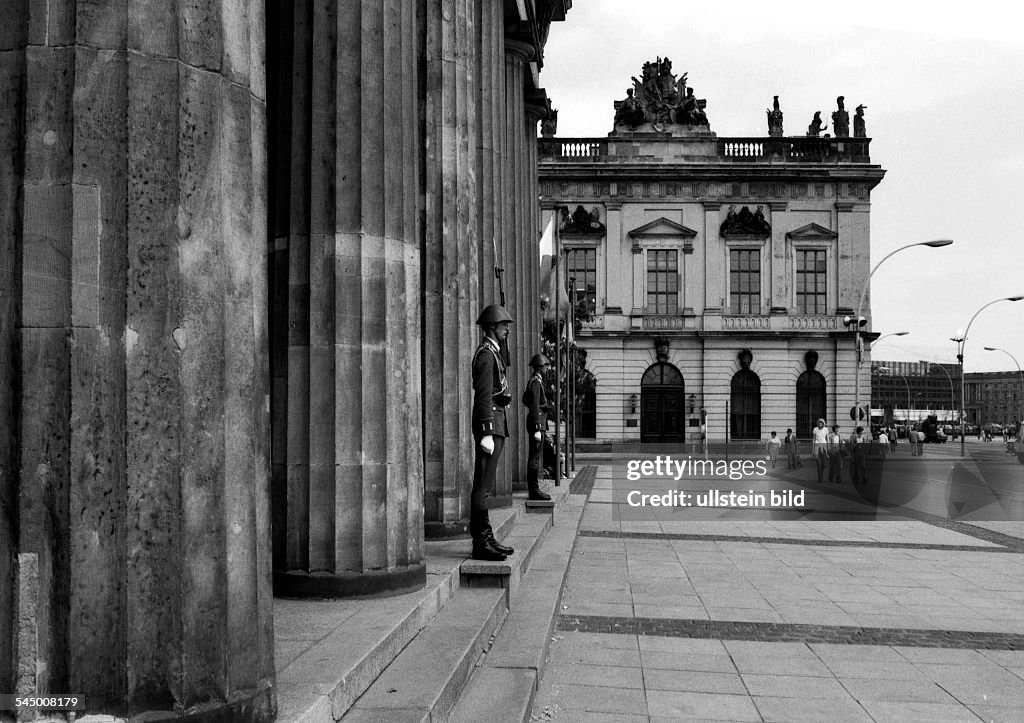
(515, 213)
(13, 39)
(534, 112)
(491, 119)
(144, 463)
(449, 47)
(353, 479)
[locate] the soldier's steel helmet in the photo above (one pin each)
(493, 314)
(539, 360)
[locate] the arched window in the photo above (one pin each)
(661, 404)
(745, 405)
(810, 402)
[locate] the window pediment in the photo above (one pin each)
(660, 231)
(662, 228)
(811, 232)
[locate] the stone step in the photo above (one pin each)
(503, 685)
(526, 537)
(424, 681)
(329, 652)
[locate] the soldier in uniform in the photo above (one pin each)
(490, 397)
(536, 424)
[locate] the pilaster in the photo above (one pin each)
(781, 294)
(846, 268)
(714, 259)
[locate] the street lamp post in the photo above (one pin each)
(961, 341)
(893, 371)
(858, 321)
(1020, 403)
(952, 397)
(873, 345)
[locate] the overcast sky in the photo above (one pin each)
(944, 90)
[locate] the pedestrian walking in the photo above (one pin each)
(536, 424)
(920, 442)
(893, 435)
(912, 441)
(490, 397)
(836, 450)
(789, 446)
(858, 450)
(774, 444)
(819, 447)
(883, 442)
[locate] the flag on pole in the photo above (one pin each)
(548, 269)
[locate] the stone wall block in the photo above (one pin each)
(236, 23)
(101, 24)
(201, 33)
(50, 75)
(51, 23)
(13, 29)
(152, 28)
(46, 256)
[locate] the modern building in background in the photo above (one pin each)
(714, 273)
(903, 392)
(994, 397)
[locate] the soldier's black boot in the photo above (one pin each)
(537, 494)
(485, 550)
(503, 549)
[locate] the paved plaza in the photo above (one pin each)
(901, 600)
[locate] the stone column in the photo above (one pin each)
(13, 39)
(530, 275)
(144, 461)
(450, 45)
(491, 137)
(353, 484)
(514, 217)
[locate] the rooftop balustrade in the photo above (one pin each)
(796, 149)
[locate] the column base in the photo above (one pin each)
(458, 530)
(373, 583)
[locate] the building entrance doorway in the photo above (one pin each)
(662, 417)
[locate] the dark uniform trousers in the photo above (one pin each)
(536, 421)
(490, 397)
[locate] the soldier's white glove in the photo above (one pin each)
(538, 436)
(487, 444)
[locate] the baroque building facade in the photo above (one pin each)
(714, 275)
(242, 248)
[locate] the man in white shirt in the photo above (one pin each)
(819, 449)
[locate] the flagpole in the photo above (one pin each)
(555, 259)
(571, 376)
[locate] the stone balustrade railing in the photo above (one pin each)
(794, 149)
